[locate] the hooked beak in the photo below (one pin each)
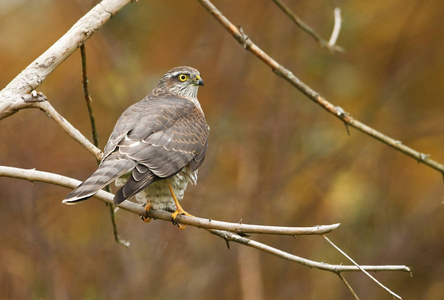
(198, 81)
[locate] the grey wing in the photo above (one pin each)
(163, 143)
(113, 164)
(130, 119)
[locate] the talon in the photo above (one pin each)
(174, 222)
(174, 215)
(145, 217)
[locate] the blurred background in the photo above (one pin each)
(274, 158)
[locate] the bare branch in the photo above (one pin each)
(231, 237)
(301, 24)
(230, 230)
(276, 230)
(14, 97)
(348, 286)
(336, 29)
(34, 175)
(88, 99)
(30, 78)
(363, 270)
(66, 126)
(314, 96)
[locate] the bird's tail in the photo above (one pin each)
(104, 175)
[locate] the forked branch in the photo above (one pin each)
(336, 111)
(226, 230)
(331, 44)
(50, 111)
(11, 97)
(17, 95)
(363, 270)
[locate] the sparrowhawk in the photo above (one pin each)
(156, 146)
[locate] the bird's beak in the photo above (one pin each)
(198, 80)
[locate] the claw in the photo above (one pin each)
(145, 217)
(174, 222)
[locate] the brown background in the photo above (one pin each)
(274, 157)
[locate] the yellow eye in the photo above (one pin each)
(183, 77)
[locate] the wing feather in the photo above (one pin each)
(161, 136)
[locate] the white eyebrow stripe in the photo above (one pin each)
(177, 73)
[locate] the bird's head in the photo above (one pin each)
(182, 81)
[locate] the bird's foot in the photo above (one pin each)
(145, 217)
(179, 211)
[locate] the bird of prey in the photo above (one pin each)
(156, 146)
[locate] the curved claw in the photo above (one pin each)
(145, 217)
(180, 212)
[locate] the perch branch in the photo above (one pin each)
(338, 112)
(13, 98)
(47, 177)
(30, 78)
(330, 45)
(213, 226)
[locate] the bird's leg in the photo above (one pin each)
(146, 218)
(179, 209)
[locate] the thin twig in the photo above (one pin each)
(230, 234)
(305, 27)
(96, 140)
(336, 30)
(88, 97)
(348, 286)
(112, 214)
(11, 101)
(360, 267)
(248, 44)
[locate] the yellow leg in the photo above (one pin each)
(179, 209)
(147, 219)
